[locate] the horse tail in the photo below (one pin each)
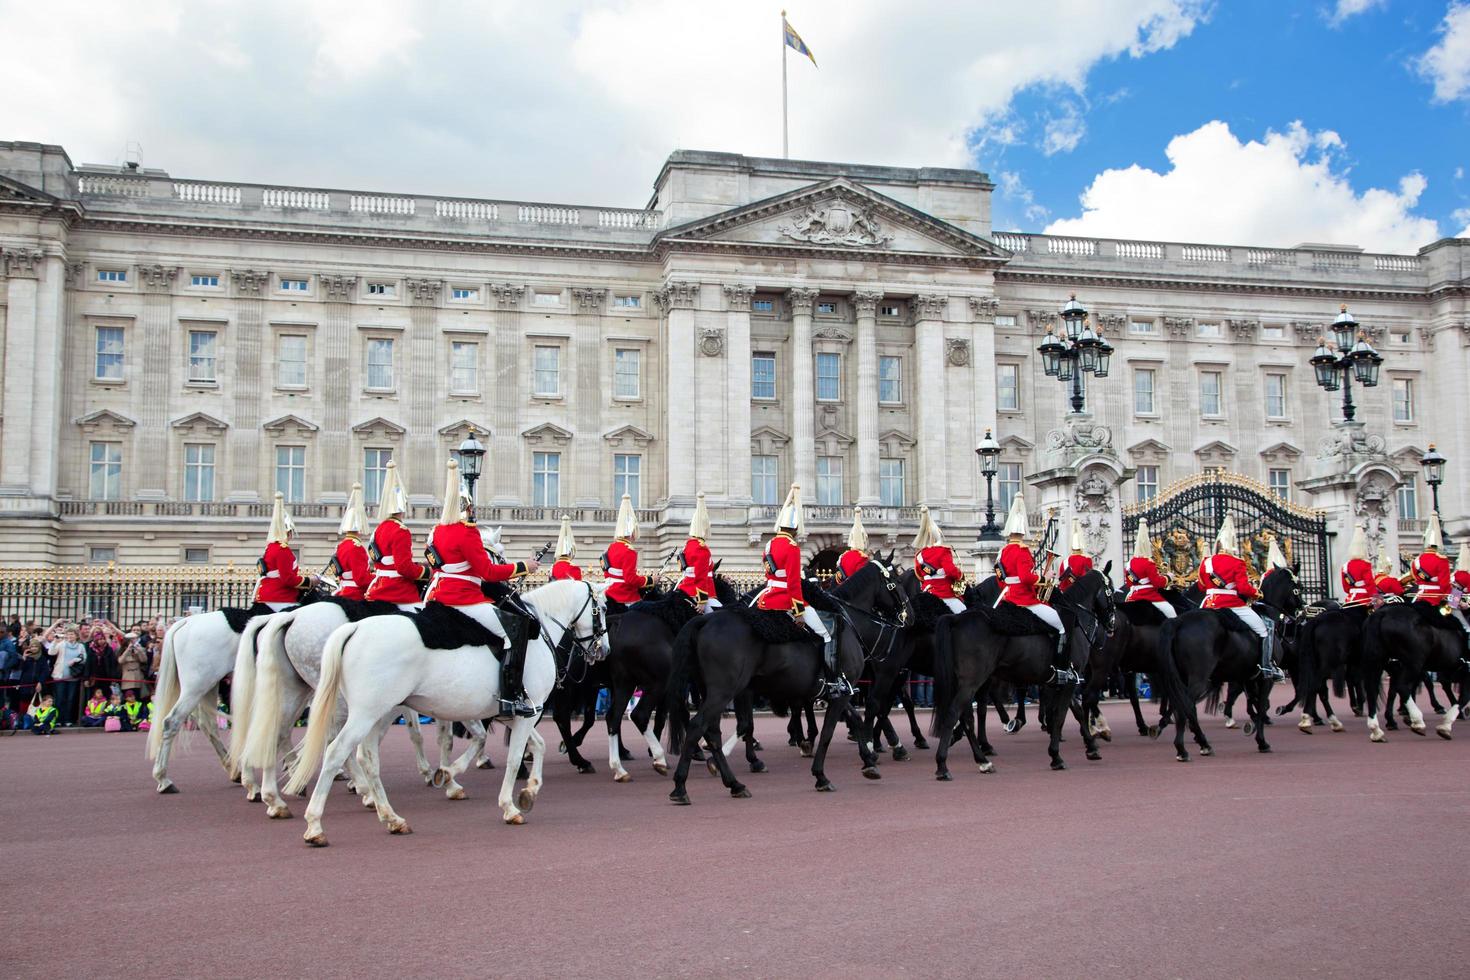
(1172, 684)
(242, 693)
(323, 710)
(1339, 682)
(1304, 678)
(1212, 699)
(679, 675)
(944, 673)
(166, 691)
(262, 746)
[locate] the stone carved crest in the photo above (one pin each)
(832, 331)
(1094, 494)
(837, 223)
(1350, 441)
(1096, 530)
(712, 341)
(1178, 556)
(1081, 434)
(957, 351)
(1179, 326)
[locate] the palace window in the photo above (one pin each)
(374, 471)
(1275, 396)
(1208, 330)
(204, 281)
(109, 354)
(101, 554)
(1141, 327)
(291, 474)
(112, 275)
(1007, 485)
(627, 376)
(628, 302)
(1005, 319)
(294, 285)
(196, 556)
(545, 299)
(829, 481)
(105, 476)
(380, 363)
(829, 376)
(1147, 481)
(466, 293)
(1403, 399)
(1210, 386)
(201, 355)
(546, 372)
(762, 306)
(1408, 497)
(1143, 391)
(291, 361)
(386, 290)
(1279, 480)
(890, 380)
(1273, 331)
(890, 482)
(198, 472)
(895, 310)
(763, 375)
(627, 473)
(828, 308)
(464, 368)
(763, 480)
(1007, 387)
(545, 479)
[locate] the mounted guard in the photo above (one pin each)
(1431, 570)
(696, 580)
(1078, 562)
(1359, 585)
(1226, 585)
(1017, 568)
(934, 564)
(566, 550)
(783, 589)
(620, 561)
(281, 582)
(461, 567)
(856, 555)
(1460, 591)
(350, 562)
(395, 574)
(1144, 581)
(1390, 588)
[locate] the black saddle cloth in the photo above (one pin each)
(1009, 619)
(359, 609)
(774, 626)
(237, 617)
(1142, 613)
(444, 627)
(1234, 624)
(1434, 619)
(927, 610)
(673, 611)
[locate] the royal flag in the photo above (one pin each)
(794, 41)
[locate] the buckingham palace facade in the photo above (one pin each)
(175, 350)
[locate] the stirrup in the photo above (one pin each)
(516, 708)
(836, 687)
(1272, 673)
(1061, 676)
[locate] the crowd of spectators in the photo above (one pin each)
(48, 671)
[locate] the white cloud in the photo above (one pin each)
(1351, 8)
(559, 100)
(1278, 191)
(1462, 215)
(1447, 64)
(1063, 132)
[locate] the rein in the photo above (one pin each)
(887, 628)
(576, 645)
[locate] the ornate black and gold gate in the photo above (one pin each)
(1184, 518)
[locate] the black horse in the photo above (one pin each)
(736, 649)
(1131, 649)
(911, 650)
(1203, 650)
(1406, 641)
(1328, 644)
(1003, 642)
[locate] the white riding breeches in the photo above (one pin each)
(1165, 609)
(484, 613)
(410, 607)
(955, 605)
(810, 617)
(1047, 615)
(712, 604)
(1251, 618)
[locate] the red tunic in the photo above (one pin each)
(280, 580)
(1144, 581)
(464, 565)
(352, 569)
(1462, 581)
(395, 574)
(1018, 575)
(564, 568)
(1432, 573)
(697, 580)
(849, 562)
(937, 572)
(1357, 580)
(1388, 585)
(620, 565)
(1225, 582)
(783, 575)
(1076, 566)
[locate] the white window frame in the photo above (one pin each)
(1002, 383)
(1407, 497)
(112, 275)
(1278, 480)
(195, 548)
(373, 345)
(1005, 320)
(203, 280)
(890, 472)
(1407, 403)
(538, 372)
(1146, 479)
(1285, 407)
(1273, 331)
(545, 479)
(763, 304)
(101, 554)
(829, 481)
(895, 310)
(897, 380)
(464, 294)
(294, 285)
(762, 481)
(282, 362)
(1143, 328)
(627, 366)
(120, 354)
(382, 289)
(459, 350)
(1005, 487)
(627, 301)
(627, 476)
(199, 472)
(104, 470)
(1209, 330)
(764, 355)
(831, 358)
(544, 298)
(1219, 375)
(375, 460)
(1151, 374)
(293, 467)
(203, 368)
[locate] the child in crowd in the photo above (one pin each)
(43, 715)
(115, 709)
(132, 711)
(92, 717)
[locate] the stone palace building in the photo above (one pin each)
(175, 350)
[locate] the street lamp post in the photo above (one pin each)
(1080, 350)
(989, 452)
(1349, 356)
(471, 456)
(1432, 464)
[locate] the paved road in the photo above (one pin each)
(1331, 857)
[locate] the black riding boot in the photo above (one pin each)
(1269, 670)
(513, 701)
(834, 684)
(1061, 667)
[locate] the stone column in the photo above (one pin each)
(422, 383)
(35, 287)
(335, 383)
(155, 329)
(803, 392)
(244, 477)
(982, 397)
(735, 346)
(930, 406)
(591, 396)
(865, 302)
(677, 300)
(509, 373)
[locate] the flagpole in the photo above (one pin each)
(785, 146)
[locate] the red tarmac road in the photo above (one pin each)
(1331, 857)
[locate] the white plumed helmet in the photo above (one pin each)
(699, 523)
(1142, 545)
(792, 516)
(1225, 541)
(354, 515)
(857, 535)
(929, 534)
(281, 525)
(392, 500)
(627, 525)
(566, 542)
(1016, 520)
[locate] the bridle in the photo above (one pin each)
(888, 629)
(572, 644)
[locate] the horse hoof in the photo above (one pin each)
(714, 770)
(1419, 729)
(484, 764)
(679, 798)
(526, 800)
(455, 793)
(400, 829)
(1377, 737)
(985, 767)
(756, 746)
(252, 795)
(1443, 732)
(1094, 755)
(1153, 732)
(623, 777)
(757, 766)
(900, 754)
(239, 776)
(352, 788)
(586, 769)
(1182, 757)
(806, 750)
(279, 813)
(1335, 725)
(167, 787)
(697, 755)
(739, 792)
(316, 840)
(921, 744)
(440, 777)
(943, 777)
(515, 820)
(871, 772)
(1230, 723)
(1011, 727)
(662, 768)
(561, 747)
(1146, 730)
(1263, 747)
(1207, 750)
(1058, 765)
(826, 787)
(1106, 734)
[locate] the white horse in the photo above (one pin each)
(275, 673)
(379, 663)
(198, 651)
